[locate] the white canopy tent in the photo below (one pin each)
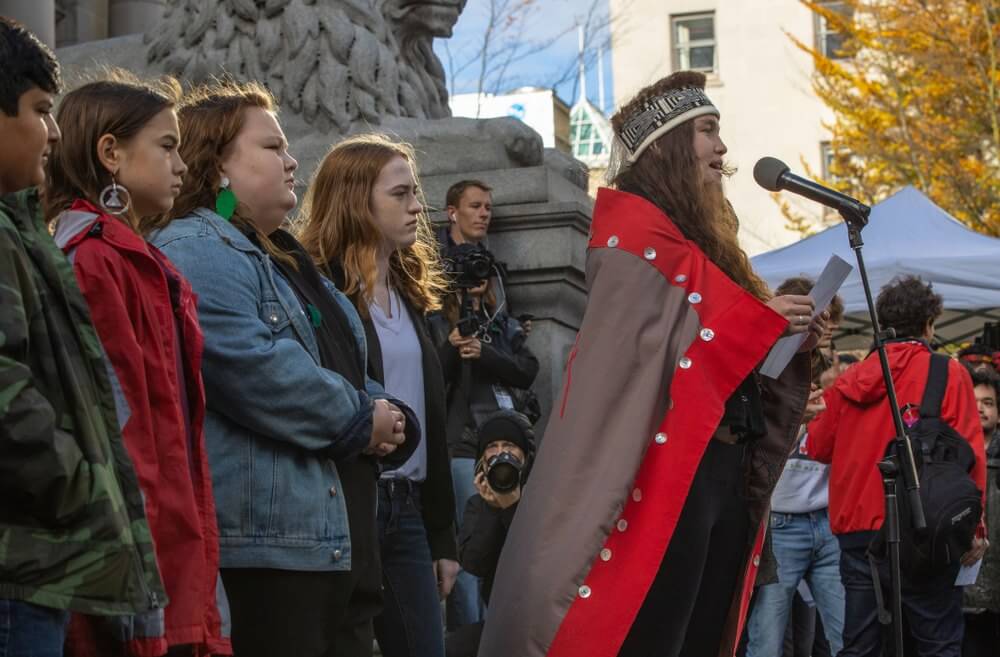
(906, 234)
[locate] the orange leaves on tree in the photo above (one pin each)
(915, 93)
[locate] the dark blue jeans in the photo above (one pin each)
(410, 624)
(933, 611)
(27, 630)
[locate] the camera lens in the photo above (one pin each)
(480, 268)
(503, 472)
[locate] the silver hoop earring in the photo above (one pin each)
(115, 199)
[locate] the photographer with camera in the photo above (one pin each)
(506, 445)
(487, 367)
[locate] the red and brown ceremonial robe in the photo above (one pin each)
(665, 340)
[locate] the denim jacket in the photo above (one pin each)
(275, 419)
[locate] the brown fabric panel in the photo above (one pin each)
(635, 328)
(784, 405)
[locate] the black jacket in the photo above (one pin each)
(437, 493)
(505, 360)
(484, 530)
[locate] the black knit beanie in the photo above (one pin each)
(510, 426)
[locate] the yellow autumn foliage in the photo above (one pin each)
(916, 99)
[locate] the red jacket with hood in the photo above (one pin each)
(853, 432)
(146, 318)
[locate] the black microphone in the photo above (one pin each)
(773, 175)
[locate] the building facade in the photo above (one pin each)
(757, 77)
(539, 109)
(67, 22)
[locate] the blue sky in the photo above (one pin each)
(549, 23)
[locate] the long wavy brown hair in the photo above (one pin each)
(336, 225)
(668, 175)
(210, 117)
(118, 104)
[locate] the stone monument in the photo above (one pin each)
(345, 66)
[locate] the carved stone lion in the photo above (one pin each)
(337, 63)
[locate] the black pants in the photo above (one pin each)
(932, 610)
(687, 605)
(314, 614)
(982, 634)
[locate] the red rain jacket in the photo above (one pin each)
(853, 432)
(146, 318)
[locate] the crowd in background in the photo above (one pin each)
(829, 505)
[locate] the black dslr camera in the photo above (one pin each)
(503, 472)
(468, 265)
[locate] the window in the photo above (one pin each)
(584, 136)
(825, 170)
(825, 159)
(694, 42)
(830, 42)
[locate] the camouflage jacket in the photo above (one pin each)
(73, 534)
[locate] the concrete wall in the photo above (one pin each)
(81, 21)
(39, 16)
(761, 87)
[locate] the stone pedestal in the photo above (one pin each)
(39, 16)
(133, 16)
(91, 20)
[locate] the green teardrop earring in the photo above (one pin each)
(225, 202)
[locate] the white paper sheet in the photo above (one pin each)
(967, 574)
(833, 276)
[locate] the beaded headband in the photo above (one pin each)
(661, 115)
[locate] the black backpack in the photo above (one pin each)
(952, 502)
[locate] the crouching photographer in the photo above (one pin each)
(505, 450)
(487, 367)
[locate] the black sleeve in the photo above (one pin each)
(514, 366)
(484, 530)
(439, 328)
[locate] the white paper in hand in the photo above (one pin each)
(833, 276)
(967, 574)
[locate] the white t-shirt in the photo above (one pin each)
(402, 362)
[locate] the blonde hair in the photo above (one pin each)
(336, 224)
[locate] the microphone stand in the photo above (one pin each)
(900, 461)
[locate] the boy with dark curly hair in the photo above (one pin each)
(852, 435)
